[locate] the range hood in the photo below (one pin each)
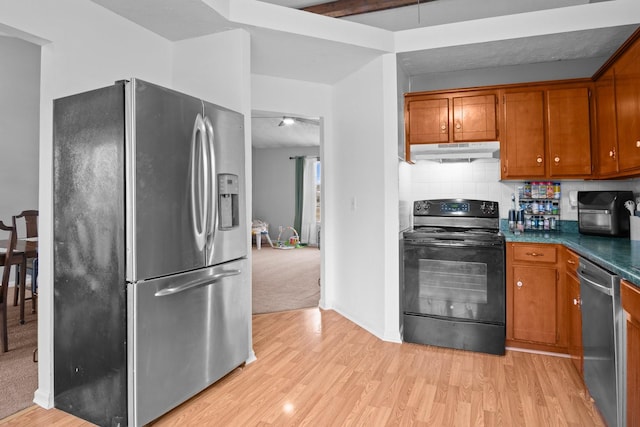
(456, 152)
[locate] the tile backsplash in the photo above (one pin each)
(481, 180)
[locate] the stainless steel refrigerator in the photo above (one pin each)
(151, 294)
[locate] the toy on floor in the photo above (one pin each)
(291, 243)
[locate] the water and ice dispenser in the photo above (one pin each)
(228, 209)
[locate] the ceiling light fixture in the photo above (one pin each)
(287, 121)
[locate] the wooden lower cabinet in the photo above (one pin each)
(630, 296)
(535, 304)
(536, 308)
(574, 312)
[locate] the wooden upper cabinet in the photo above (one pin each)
(428, 120)
(547, 131)
(606, 147)
(523, 147)
(474, 118)
(627, 96)
(443, 117)
(569, 132)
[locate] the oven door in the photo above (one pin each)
(455, 279)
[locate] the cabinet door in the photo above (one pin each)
(630, 297)
(523, 143)
(627, 92)
(474, 118)
(428, 121)
(535, 304)
(607, 145)
(569, 132)
(575, 321)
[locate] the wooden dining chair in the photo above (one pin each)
(26, 225)
(9, 260)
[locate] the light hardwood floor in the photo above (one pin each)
(316, 368)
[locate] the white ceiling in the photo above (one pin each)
(266, 131)
(283, 53)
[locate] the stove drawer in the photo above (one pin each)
(542, 253)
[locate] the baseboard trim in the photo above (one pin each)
(545, 353)
(43, 398)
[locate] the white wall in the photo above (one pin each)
(19, 114)
(274, 186)
(363, 153)
(223, 71)
(85, 47)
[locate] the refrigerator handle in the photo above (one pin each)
(196, 283)
(200, 180)
(213, 203)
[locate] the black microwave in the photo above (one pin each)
(602, 213)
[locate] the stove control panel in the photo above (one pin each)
(456, 207)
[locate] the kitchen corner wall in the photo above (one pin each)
(480, 179)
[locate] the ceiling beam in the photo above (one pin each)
(340, 8)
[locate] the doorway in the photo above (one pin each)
(286, 200)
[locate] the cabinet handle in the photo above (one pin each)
(612, 153)
(534, 254)
(572, 262)
(458, 125)
(519, 284)
(638, 144)
(443, 126)
(539, 159)
(556, 159)
(577, 301)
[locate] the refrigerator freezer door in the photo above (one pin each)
(187, 331)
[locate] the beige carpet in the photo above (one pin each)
(285, 279)
(18, 372)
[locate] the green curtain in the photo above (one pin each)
(297, 219)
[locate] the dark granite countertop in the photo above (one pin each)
(619, 255)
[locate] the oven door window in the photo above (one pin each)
(459, 281)
(455, 281)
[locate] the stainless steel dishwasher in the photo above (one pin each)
(603, 337)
